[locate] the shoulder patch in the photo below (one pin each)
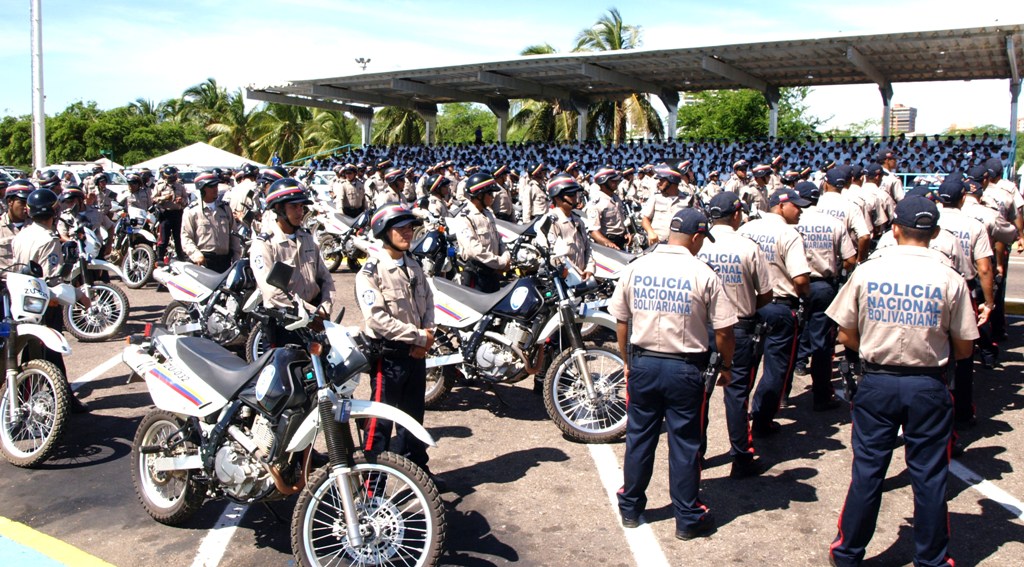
(263, 236)
(370, 267)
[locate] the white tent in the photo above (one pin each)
(197, 156)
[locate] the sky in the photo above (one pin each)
(116, 51)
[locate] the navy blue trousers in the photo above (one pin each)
(922, 405)
(669, 391)
(818, 340)
(736, 394)
(400, 382)
(779, 355)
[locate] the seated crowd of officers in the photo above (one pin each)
(771, 267)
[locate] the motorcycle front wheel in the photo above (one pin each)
(101, 321)
(170, 497)
(257, 343)
(401, 516)
(332, 260)
(580, 418)
(29, 435)
(138, 265)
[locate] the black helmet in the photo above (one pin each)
(287, 190)
(42, 204)
(669, 174)
(49, 180)
(71, 193)
(563, 184)
(146, 174)
(391, 216)
(606, 174)
(480, 184)
(134, 179)
(394, 174)
(684, 166)
(205, 179)
(435, 182)
(97, 169)
(19, 189)
(169, 171)
(250, 170)
(271, 175)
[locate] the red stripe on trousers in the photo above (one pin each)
(376, 397)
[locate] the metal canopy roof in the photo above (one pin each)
(944, 55)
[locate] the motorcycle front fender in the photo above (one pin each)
(98, 264)
(306, 433)
(589, 316)
(147, 235)
(49, 337)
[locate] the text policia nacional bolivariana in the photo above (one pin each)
(663, 294)
(914, 305)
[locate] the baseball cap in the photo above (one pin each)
(994, 167)
(808, 190)
(787, 195)
(856, 171)
(886, 154)
(926, 191)
(952, 189)
(914, 211)
(977, 173)
(839, 176)
(691, 221)
(725, 204)
(973, 187)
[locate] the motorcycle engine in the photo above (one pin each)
(495, 361)
(240, 474)
(221, 325)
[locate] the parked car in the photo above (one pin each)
(78, 171)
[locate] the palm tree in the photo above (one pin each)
(394, 125)
(278, 129)
(541, 120)
(329, 129)
(170, 110)
(144, 107)
(234, 129)
(610, 34)
(204, 103)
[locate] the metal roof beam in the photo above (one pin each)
(375, 99)
(1011, 52)
(521, 85)
(608, 76)
(866, 67)
(439, 92)
(361, 111)
(723, 69)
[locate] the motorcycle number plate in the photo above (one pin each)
(342, 411)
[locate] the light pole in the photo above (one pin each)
(38, 113)
(362, 62)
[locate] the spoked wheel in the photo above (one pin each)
(101, 321)
(401, 516)
(176, 313)
(29, 433)
(332, 260)
(598, 420)
(440, 379)
(257, 344)
(170, 497)
(137, 265)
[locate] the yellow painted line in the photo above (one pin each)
(1014, 307)
(49, 546)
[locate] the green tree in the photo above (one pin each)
(204, 103)
(16, 141)
(744, 114)
(540, 120)
(233, 131)
(457, 123)
(329, 129)
(867, 127)
(278, 129)
(393, 125)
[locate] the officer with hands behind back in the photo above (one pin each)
(480, 245)
(208, 228)
(669, 341)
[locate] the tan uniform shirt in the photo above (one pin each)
(754, 196)
(605, 213)
(659, 210)
(37, 244)
(971, 235)
(142, 199)
(740, 266)
(670, 297)
(906, 305)
(648, 188)
(388, 196)
(165, 194)
(1005, 197)
(891, 185)
(502, 204)
(238, 197)
(710, 190)
(437, 206)
(852, 217)
(299, 250)
(571, 232)
(90, 217)
(479, 241)
(349, 194)
(870, 204)
(783, 249)
(8, 230)
(826, 242)
(886, 206)
(396, 305)
(534, 200)
(210, 230)
(775, 182)
(947, 245)
(998, 228)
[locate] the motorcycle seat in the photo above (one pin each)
(477, 300)
(345, 220)
(225, 372)
(205, 276)
(613, 254)
(517, 229)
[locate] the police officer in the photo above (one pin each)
(835, 203)
(480, 246)
(239, 196)
(775, 232)
(171, 198)
(284, 240)
(891, 184)
(903, 387)
(1004, 195)
(688, 187)
(669, 350)
(392, 192)
(711, 188)
(208, 235)
(398, 310)
(605, 211)
(438, 195)
(656, 214)
(628, 187)
(745, 278)
(829, 251)
(567, 231)
(533, 199)
(99, 197)
(755, 194)
(14, 219)
(739, 179)
(74, 211)
(138, 196)
(503, 205)
(38, 242)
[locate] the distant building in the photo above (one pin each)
(903, 119)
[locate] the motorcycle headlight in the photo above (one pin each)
(34, 305)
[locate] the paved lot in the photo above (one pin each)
(522, 494)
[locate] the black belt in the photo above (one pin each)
(746, 323)
(793, 302)
(937, 372)
(830, 281)
(694, 358)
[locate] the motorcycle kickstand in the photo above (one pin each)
(274, 513)
(490, 387)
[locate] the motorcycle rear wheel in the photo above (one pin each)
(170, 497)
(106, 317)
(328, 242)
(257, 343)
(176, 313)
(581, 419)
(400, 513)
(31, 436)
(138, 265)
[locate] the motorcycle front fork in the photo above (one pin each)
(579, 350)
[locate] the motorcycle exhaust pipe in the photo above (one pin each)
(282, 486)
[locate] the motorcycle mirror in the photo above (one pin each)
(34, 269)
(341, 314)
(280, 275)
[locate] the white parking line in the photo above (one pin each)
(96, 372)
(211, 551)
(645, 547)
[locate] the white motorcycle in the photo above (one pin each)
(33, 395)
(108, 312)
(132, 247)
(227, 429)
(336, 233)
